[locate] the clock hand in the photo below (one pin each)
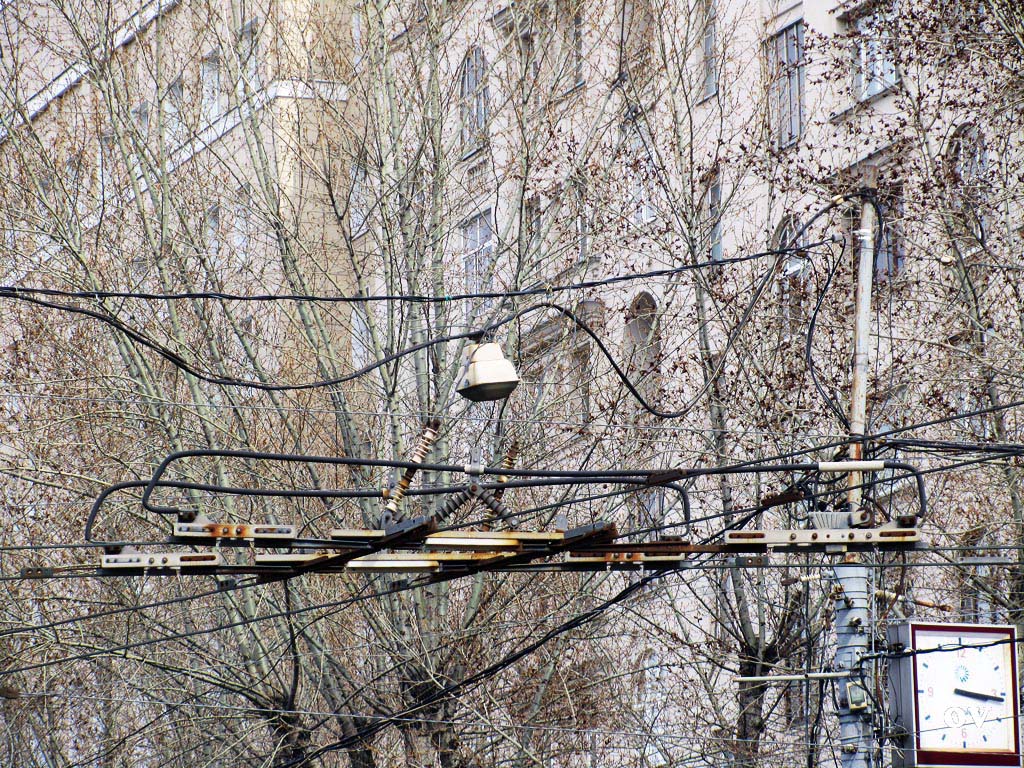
(977, 695)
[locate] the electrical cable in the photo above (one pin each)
(808, 358)
(364, 733)
(239, 584)
(639, 477)
(124, 647)
(179, 362)
(16, 292)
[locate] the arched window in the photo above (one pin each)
(642, 343)
(473, 99)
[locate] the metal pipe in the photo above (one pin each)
(852, 616)
(861, 347)
(795, 678)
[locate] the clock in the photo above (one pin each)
(954, 695)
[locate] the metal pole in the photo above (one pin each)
(856, 744)
(861, 343)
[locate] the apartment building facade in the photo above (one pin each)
(648, 169)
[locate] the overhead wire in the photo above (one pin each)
(829, 401)
(13, 291)
(362, 734)
(191, 369)
(122, 648)
(260, 711)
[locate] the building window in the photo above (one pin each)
(788, 84)
(73, 172)
(248, 61)
(105, 162)
(532, 222)
(478, 250)
(642, 345)
(46, 208)
(359, 199)
(713, 212)
(581, 222)
(358, 46)
(874, 65)
(212, 88)
(639, 172)
(140, 115)
(651, 513)
(243, 224)
(171, 105)
(362, 338)
(710, 58)
(636, 29)
(474, 100)
(889, 252)
(794, 273)
(530, 68)
(211, 233)
(571, 23)
(968, 164)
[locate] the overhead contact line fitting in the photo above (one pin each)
(507, 463)
(395, 496)
(663, 477)
(533, 476)
(475, 492)
(491, 498)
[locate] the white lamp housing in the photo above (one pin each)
(489, 375)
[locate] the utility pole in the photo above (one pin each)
(856, 741)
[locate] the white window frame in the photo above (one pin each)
(249, 64)
(969, 162)
(709, 60)
(794, 274)
(358, 199)
(533, 221)
(105, 158)
(141, 118)
(571, 22)
(358, 44)
(361, 336)
(580, 222)
(213, 241)
(874, 65)
(474, 100)
(243, 224)
(478, 261)
(211, 83)
(890, 253)
(172, 107)
(641, 192)
(789, 62)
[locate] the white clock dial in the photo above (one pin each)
(964, 692)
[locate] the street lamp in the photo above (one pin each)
(489, 375)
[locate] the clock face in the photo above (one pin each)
(965, 689)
